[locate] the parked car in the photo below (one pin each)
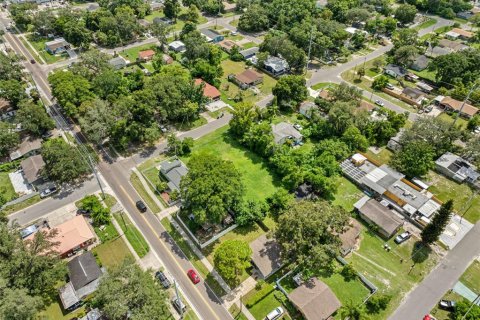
(275, 314)
(162, 279)
(448, 305)
(298, 127)
(429, 317)
(192, 274)
(379, 103)
(179, 305)
(390, 86)
(141, 206)
(48, 192)
(33, 61)
(83, 212)
(403, 237)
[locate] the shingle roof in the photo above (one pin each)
(32, 167)
(380, 215)
(266, 255)
(457, 105)
(249, 52)
(83, 269)
(173, 171)
(209, 90)
(28, 144)
(249, 76)
(146, 54)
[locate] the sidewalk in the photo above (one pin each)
(147, 187)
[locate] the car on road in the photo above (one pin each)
(448, 305)
(379, 103)
(275, 314)
(141, 206)
(192, 274)
(162, 279)
(179, 305)
(403, 237)
(48, 192)
(234, 33)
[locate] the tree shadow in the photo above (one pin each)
(420, 252)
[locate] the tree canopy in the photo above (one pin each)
(231, 258)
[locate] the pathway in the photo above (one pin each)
(147, 188)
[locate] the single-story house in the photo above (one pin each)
(250, 52)
(414, 94)
(378, 214)
(164, 20)
(177, 46)
(266, 256)
(146, 55)
(394, 143)
(93, 314)
(212, 35)
(452, 46)
(247, 78)
(229, 6)
(395, 71)
(283, 131)
(450, 104)
(32, 169)
(276, 65)
(421, 63)
(28, 147)
(459, 33)
(315, 300)
(167, 59)
(173, 171)
(438, 51)
(209, 91)
(424, 87)
(84, 274)
(457, 168)
(349, 236)
(58, 45)
(465, 15)
(307, 109)
(118, 62)
(227, 45)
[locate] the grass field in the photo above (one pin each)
(471, 277)
(383, 156)
(137, 184)
(465, 201)
(461, 122)
(430, 22)
(112, 253)
(55, 312)
(6, 187)
(132, 234)
(236, 313)
(440, 314)
(347, 194)
(131, 54)
(22, 205)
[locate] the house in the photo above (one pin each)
(283, 132)
(466, 15)
(227, 45)
(177, 46)
(248, 78)
(395, 71)
(315, 300)
(394, 143)
(173, 171)
(457, 33)
(84, 274)
(424, 87)
(421, 63)
(118, 62)
(209, 91)
(249, 53)
(212, 35)
(56, 46)
(266, 256)
(452, 46)
(167, 59)
(146, 55)
(276, 65)
(377, 213)
(449, 104)
(164, 20)
(307, 109)
(28, 147)
(382, 182)
(32, 169)
(229, 6)
(438, 51)
(349, 236)
(72, 236)
(414, 94)
(457, 168)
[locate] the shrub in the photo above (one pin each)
(348, 272)
(378, 302)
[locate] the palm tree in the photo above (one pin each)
(352, 311)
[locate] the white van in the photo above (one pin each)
(275, 314)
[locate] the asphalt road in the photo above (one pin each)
(426, 295)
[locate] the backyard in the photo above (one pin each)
(347, 194)
(6, 187)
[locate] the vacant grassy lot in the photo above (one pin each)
(383, 156)
(112, 253)
(132, 234)
(347, 194)
(6, 187)
(428, 23)
(471, 277)
(465, 201)
(394, 272)
(461, 122)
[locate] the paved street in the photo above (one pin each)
(427, 294)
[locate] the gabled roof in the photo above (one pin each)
(173, 171)
(378, 214)
(276, 63)
(83, 269)
(209, 91)
(249, 52)
(396, 69)
(461, 32)
(249, 76)
(27, 145)
(146, 54)
(413, 93)
(457, 105)
(32, 167)
(284, 129)
(209, 33)
(57, 43)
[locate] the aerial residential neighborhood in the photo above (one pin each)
(234, 159)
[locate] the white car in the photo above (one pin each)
(275, 314)
(379, 103)
(298, 127)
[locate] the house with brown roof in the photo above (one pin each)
(227, 45)
(29, 146)
(349, 236)
(248, 78)
(452, 46)
(449, 104)
(379, 215)
(146, 55)
(459, 33)
(32, 169)
(315, 300)
(167, 59)
(229, 6)
(209, 91)
(266, 256)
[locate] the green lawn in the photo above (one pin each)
(39, 44)
(152, 176)
(149, 163)
(471, 277)
(259, 182)
(109, 200)
(322, 85)
(55, 311)
(131, 54)
(109, 232)
(249, 45)
(135, 180)
(426, 74)
(465, 201)
(430, 22)
(22, 205)
(346, 291)
(236, 313)
(383, 156)
(393, 272)
(187, 126)
(180, 21)
(440, 314)
(112, 253)
(154, 15)
(461, 122)
(6, 187)
(132, 234)
(347, 193)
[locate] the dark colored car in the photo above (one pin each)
(403, 237)
(179, 306)
(448, 305)
(33, 61)
(83, 212)
(192, 274)
(141, 206)
(162, 279)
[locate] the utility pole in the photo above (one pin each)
(470, 308)
(475, 85)
(96, 175)
(309, 48)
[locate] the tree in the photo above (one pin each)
(405, 13)
(279, 201)
(255, 19)
(352, 311)
(341, 116)
(192, 14)
(306, 233)
(439, 222)
(97, 121)
(63, 163)
(380, 82)
(17, 304)
(231, 258)
(461, 66)
(70, 90)
(249, 211)
(404, 56)
(161, 30)
(92, 63)
(361, 72)
(354, 139)
(405, 37)
(290, 90)
(348, 272)
(346, 93)
(465, 310)
(100, 215)
(356, 15)
(171, 8)
(415, 159)
(8, 138)
(179, 147)
(378, 63)
(378, 302)
(12, 91)
(128, 291)
(211, 187)
(34, 118)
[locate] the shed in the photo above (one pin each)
(374, 212)
(266, 255)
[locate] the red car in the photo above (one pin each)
(192, 274)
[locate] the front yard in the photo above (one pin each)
(39, 44)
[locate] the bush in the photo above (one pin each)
(378, 302)
(259, 284)
(9, 166)
(100, 215)
(348, 272)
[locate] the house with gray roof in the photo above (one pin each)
(283, 131)
(395, 71)
(421, 63)
(173, 171)
(457, 168)
(378, 213)
(249, 53)
(118, 62)
(276, 65)
(212, 35)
